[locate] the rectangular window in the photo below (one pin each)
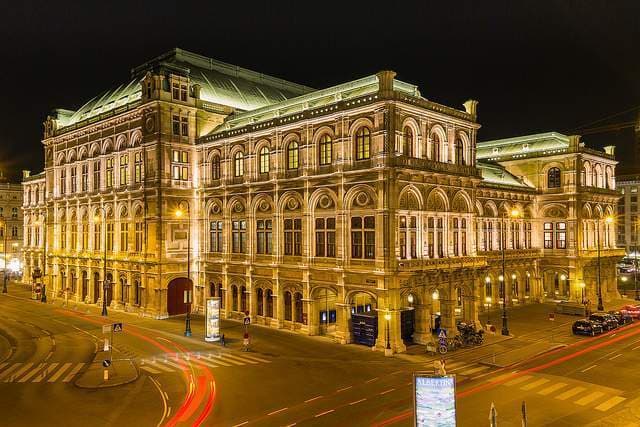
(561, 235)
(109, 176)
(124, 170)
(326, 237)
(183, 93)
(463, 236)
(440, 233)
(527, 237)
(137, 167)
(456, 236)
(293, 236)
(239, 236)
(264, 231)
(74, 236)
(85, 177)
(180, 165)
(184, 126)
(124, 237)
(430, 238)
(74, 181)
(175, 125)
(490, 236)
(215, 236)
(175, 94)
(85, 237)
(548, 235)
(97, 236)
(139, 232)
(109, 242)
(96, 175)
(63, 236)
(363, 237)
(63, 181)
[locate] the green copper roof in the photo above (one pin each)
(221, 83)
(522, 146)
(312, 100)
(493, 173)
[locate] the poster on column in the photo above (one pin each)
(212, 319)
(434, 400)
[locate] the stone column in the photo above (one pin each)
(343, 323)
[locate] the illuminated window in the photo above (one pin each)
(238, 161)
(180, 165)
(407, 237)
(109, 173)
(124, 236)
(96, 175)
(124, 170)
(74, 180)
(363, 143)
(553, 178)
(363, 237)
(326, 150)
(264, 160)
(137, 167)
(292, 155)
(85, 178)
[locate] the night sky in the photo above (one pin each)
(535, 66)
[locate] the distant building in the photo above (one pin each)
(628, 226)
(10, 224)
(313, 210)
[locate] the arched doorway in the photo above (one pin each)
(325, 305)
(364, 318)
(175, 296)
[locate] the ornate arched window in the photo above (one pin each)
(553, 178)
(238, 163)
(435, 147)
(459, 152)
(363, 143)
(325, 150)
(264, 159)
(407, 142)
(215, 167)
(260, 302)
(292, 155)
(299, 309)
(287, 305)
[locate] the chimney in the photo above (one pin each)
(26, 173)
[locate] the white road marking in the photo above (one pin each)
(2, 365)
(240, 359)
(616, 356)
(157, 364)
(312, 399)
(175, 365)
(323, 413)
(589, 368)
(241, 424)
(343, 389)
(9, 370)
(58, 374)
(474, 370)
(534, 384)
(608, 404)
(635, 348)
(547, 391)
(207, 363)
(73, 372)
(232, 360)
(518, 380)
(164, 401)
(569, 393)
(21, 371)
(386, 391)
(371, 380)
(357, 401)
(32, 373)
(46, 372)
(150, 370)
(217, 360)
(589, 398)
(252, 357)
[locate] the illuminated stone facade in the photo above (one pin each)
(308, 208)
(11, 231)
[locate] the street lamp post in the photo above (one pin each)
(584, 300)
(43, 298)
(179, 213)
(105, 282)
(608, 220)
(635, 262)
(505, 328)
(387, 347)
(4, 283)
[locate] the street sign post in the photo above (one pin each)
(117, 327)
(247, 320)
(106, 363)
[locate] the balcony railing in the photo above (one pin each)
(442, 263)
(512, 253)
(432, 165)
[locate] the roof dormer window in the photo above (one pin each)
(179, 92)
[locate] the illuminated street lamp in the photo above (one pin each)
(635, 262)
(488, 301)
(105, 282)
(608, 219)
(4, 273)
(514, 213)
(387, 317)
(179, 213)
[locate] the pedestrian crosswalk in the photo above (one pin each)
(581, 395)
(178, 362)
(465, 369)
(37, 372)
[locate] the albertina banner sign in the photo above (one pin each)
(434, 400)
(212, 319)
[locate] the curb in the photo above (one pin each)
(111, 383)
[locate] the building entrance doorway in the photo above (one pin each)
(175, 296)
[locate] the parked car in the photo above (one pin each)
(631, 310)
(623, 318)
(607, 321)
(586, 327)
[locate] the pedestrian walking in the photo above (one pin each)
(222, 341)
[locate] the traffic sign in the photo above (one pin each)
(552, 316)
(442, 334)
(247, 320)
(106, 363)
(117, 327)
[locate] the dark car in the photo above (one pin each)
(622, 317)
(607, 321)
(586, 327)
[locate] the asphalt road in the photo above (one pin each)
(286, 379)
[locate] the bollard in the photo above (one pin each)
(106, 375)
